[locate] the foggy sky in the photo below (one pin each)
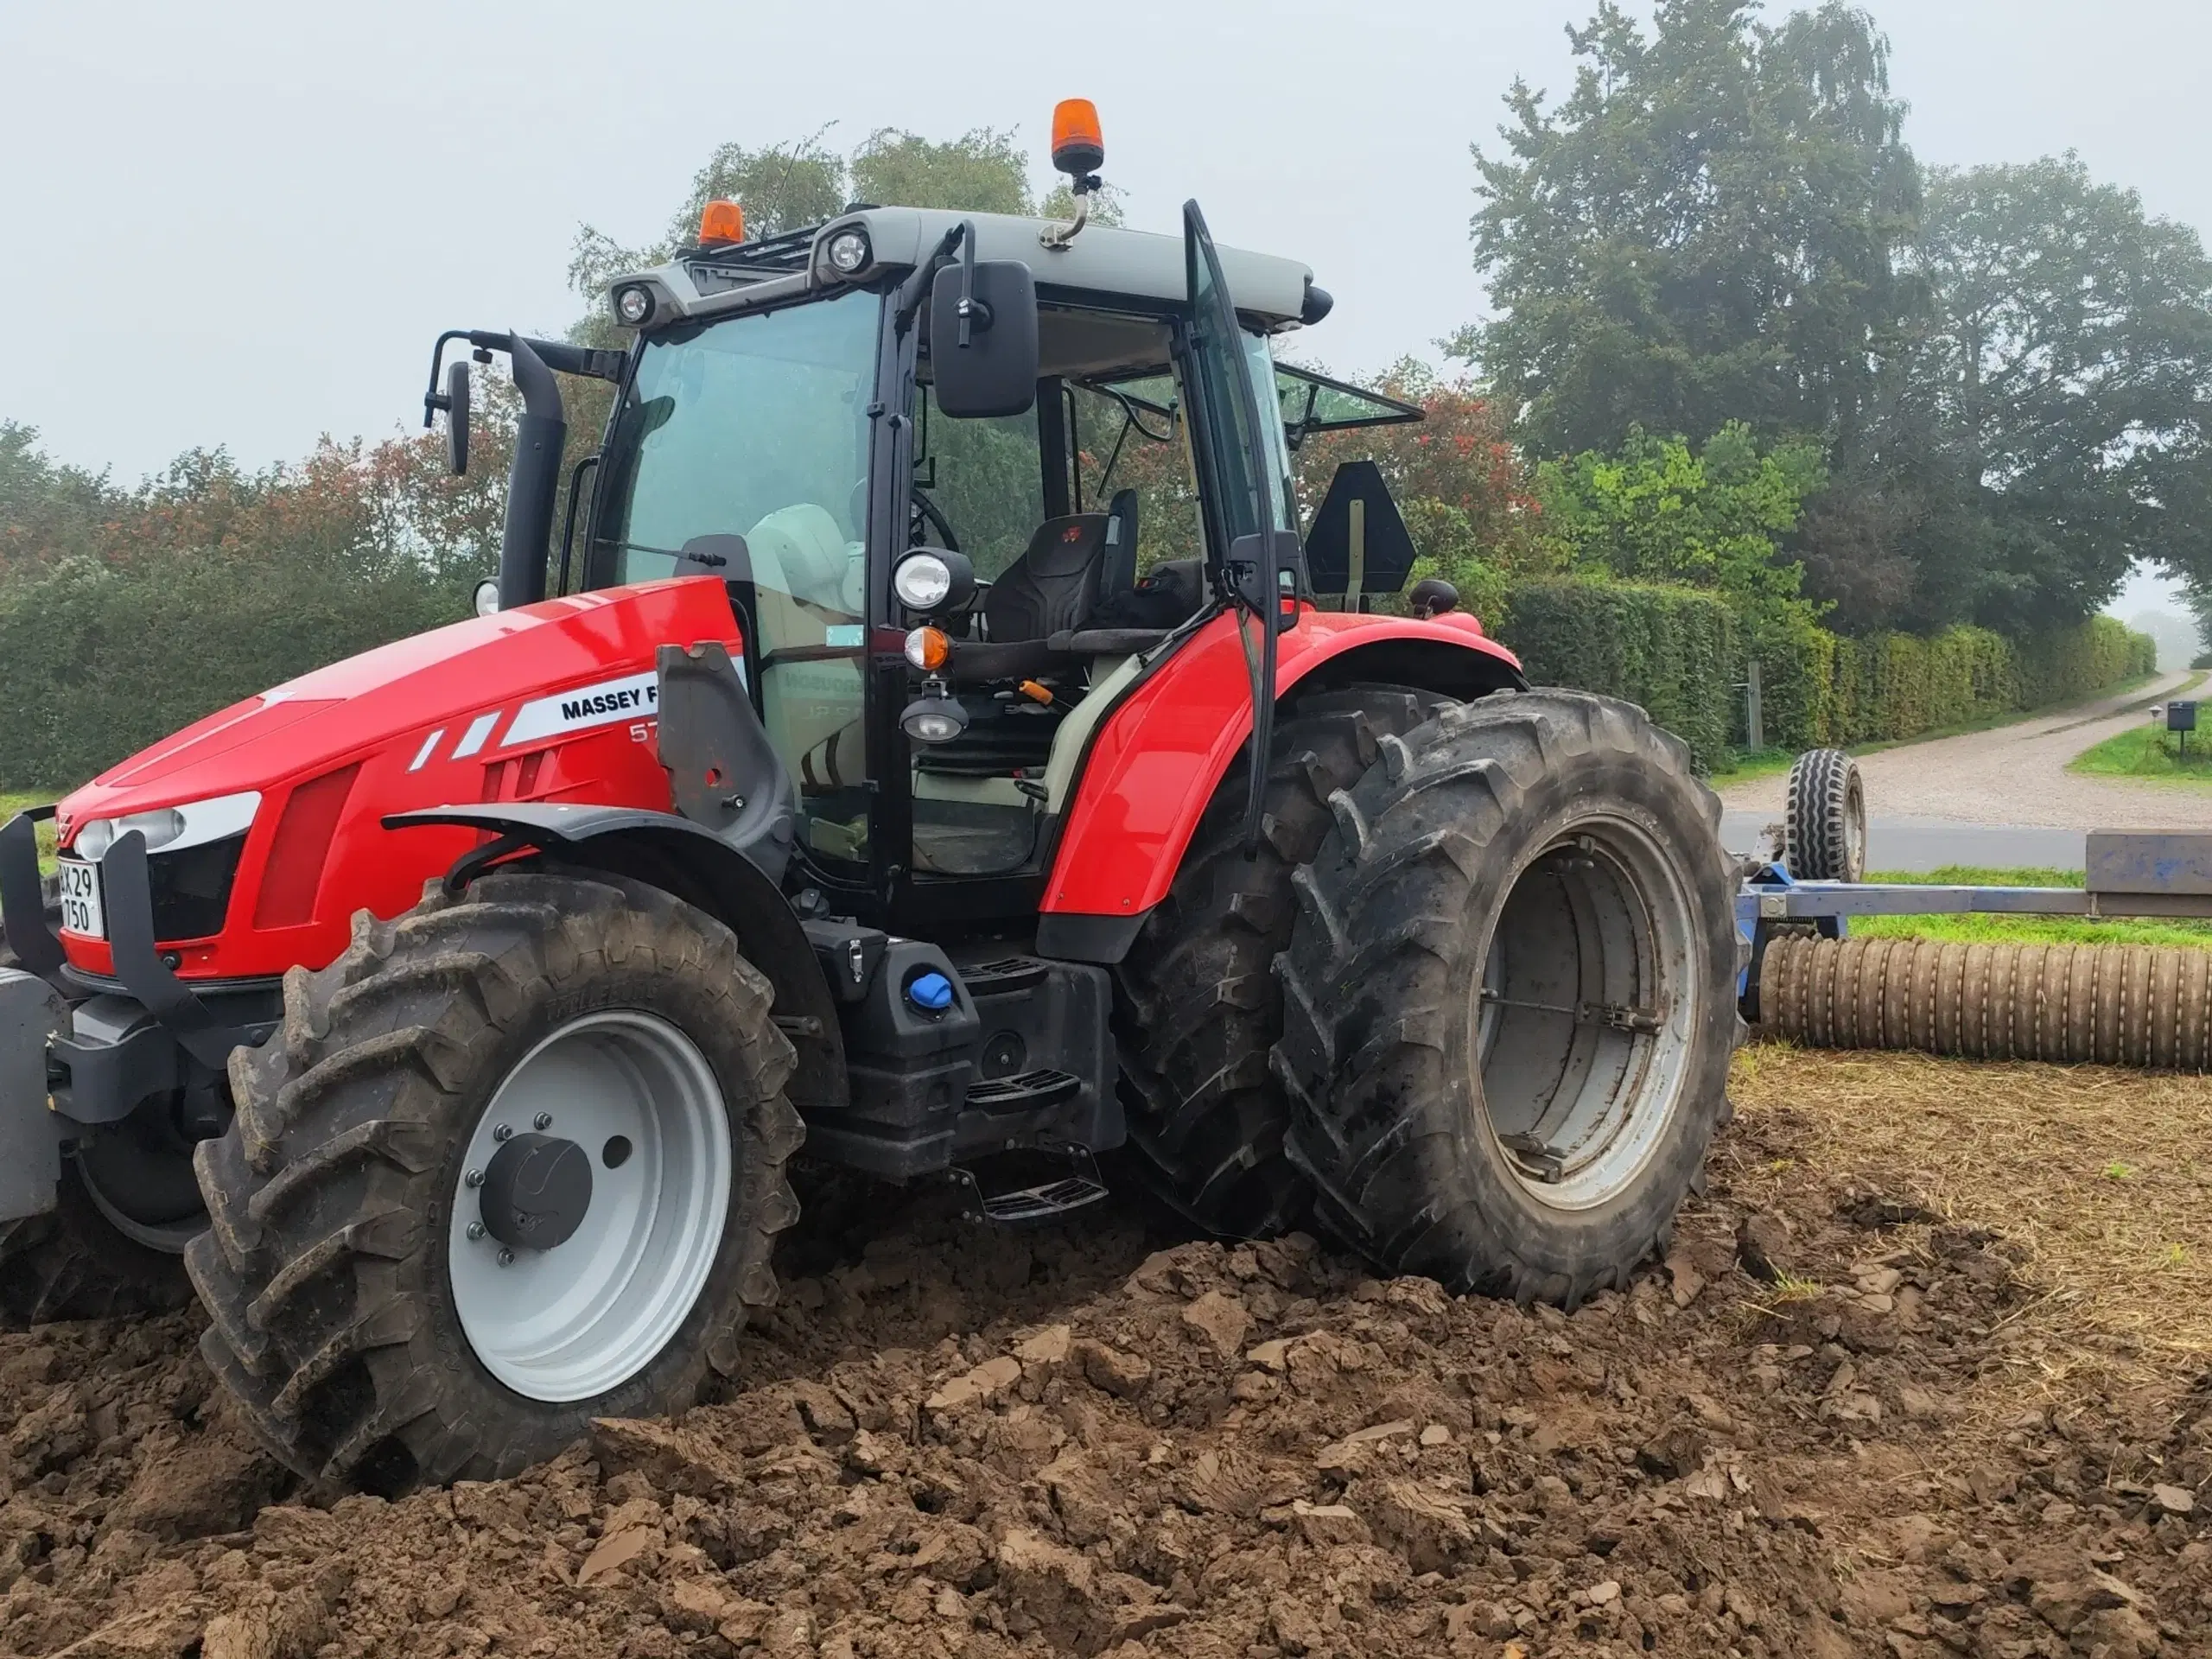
(242, 222)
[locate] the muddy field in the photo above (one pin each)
(1847, 1414)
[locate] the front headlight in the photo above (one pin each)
(171, 828)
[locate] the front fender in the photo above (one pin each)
(1157, 759)
(699, 867)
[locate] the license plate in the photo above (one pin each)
(80, 899)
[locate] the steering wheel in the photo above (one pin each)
(927, 510)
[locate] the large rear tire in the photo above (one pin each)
(1196, 1006)
(1510, 997)
(424, 1088)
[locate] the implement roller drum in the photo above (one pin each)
(2108, 1004)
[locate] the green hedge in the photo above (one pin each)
(97, 663)
(2064, 664)
(1680, 653)
(1673, 649)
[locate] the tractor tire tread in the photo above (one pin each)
(1196, 1006)
(1816, 816)
(318, 1199)
(1371, 986)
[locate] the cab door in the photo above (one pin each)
(1237, 428)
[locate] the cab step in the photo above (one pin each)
(1030, 1185)
(1024, 1092)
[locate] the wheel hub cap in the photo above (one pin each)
(536, 1191)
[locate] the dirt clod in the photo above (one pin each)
(1109, 1440)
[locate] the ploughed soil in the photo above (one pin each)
(1845, 1415)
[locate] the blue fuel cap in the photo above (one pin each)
(932, 992)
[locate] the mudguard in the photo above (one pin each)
(32, 1014)
(700, 867)
(1157, 759)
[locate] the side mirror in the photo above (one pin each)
(992, 371)
(457, 416)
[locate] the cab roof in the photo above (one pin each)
(1104, 262)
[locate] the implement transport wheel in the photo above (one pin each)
(1510, 997)
(1196, 1005)
(1824, 823)
(513, 1162)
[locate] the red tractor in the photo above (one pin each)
(881, 777)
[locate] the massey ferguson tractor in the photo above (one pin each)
(871, 779)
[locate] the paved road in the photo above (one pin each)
(1998, 797)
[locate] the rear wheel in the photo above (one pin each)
(1509, 998)
(1197, 1008)
(513, 1162)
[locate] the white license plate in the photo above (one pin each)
(80, 899)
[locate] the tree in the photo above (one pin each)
(1658, 512)
(2069, 359)
(47, 511)
(1704, 230)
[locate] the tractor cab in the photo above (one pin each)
(951, 539)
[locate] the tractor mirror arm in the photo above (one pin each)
(587, 361)
(918, 286)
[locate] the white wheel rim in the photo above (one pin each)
(574, 1321)
(1599, 1099)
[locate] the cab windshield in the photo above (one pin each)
(756, 427)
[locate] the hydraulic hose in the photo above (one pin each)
(2111, 1004)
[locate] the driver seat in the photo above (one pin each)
(1054, 587)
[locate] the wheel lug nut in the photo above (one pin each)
(475, 1230)
(542, 1121)
(507, 1256)
(501, 1133)
(474, 1178)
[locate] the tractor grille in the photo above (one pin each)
(192, 888)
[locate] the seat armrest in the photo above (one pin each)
(1109, 642)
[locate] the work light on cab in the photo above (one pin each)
(849, 251)
(934, 579)
(633, 305)
(935, 719)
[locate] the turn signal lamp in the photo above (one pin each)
(721, 224)
(929, 649)
(1078, 145)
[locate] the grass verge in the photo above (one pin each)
(2147, 752)
(2020, 929)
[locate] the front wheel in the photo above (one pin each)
(1510, 997)
(513, 1162)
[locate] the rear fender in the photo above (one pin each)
(1157, 759)
(698, 867)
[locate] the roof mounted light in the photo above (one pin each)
(1078, 150)
(848, 252)
(633, 305)
(720, 224)
(1078, 143)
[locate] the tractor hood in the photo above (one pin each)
(478, 683)
(277, 839)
